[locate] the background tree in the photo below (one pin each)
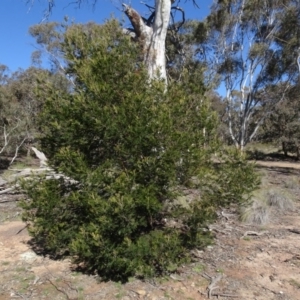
(48, 38)
(14, 122)
(20, 103)
(242, 44)
(283, 126)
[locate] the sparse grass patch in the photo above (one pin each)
(293, 183)
(257, 213)
(198, 268)
(19, 165)
(7, 173)
(294, 283)
(262, 147)
(280, 200)
(259, 151)
(20, 269)
(263, 201)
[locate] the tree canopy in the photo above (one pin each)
(252, 48)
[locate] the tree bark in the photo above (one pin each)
(152, 37)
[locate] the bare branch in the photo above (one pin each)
(136, 21)
(17, 149)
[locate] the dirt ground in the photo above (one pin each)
(246, 261)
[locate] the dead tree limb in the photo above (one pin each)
(213, 283)
(213, 286)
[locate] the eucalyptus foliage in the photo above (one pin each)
(253, 47)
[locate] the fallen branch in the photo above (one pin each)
(213, 284)
(226, 216)
(59, 289)
(7, 201)
(247, 233)
(176, 278)
(28, 173)
(225, 295)
(8, 190)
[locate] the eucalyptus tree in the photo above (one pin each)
(150, 33)
(243, 47)
(283, 126)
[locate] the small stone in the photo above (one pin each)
(28, 256)
(141, 292)
(272, 278)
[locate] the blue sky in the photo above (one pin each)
(16, 17)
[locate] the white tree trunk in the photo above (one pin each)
(152, 38)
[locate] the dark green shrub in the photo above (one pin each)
(128, 147)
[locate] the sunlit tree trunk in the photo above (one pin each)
(152, 37)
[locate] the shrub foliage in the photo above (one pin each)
(126, 147)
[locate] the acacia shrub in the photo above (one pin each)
(128, 146)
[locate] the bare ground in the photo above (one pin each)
(246, 261)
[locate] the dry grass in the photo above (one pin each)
(258, 213)
(261, 147)
(293, 183)
(280, 200)
(264, 201)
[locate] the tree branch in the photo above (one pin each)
(140, 28)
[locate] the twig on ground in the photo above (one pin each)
(8, 190)
(6, 201)
(19, 295)
(70, 286)
(294, 230)
(247, 233)
(213, 284)
(225, 295)
(226, 216)
(58, 289)
(22, 229)
(275, 293)
(176, 278)
(37, 278)
(296, 256)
